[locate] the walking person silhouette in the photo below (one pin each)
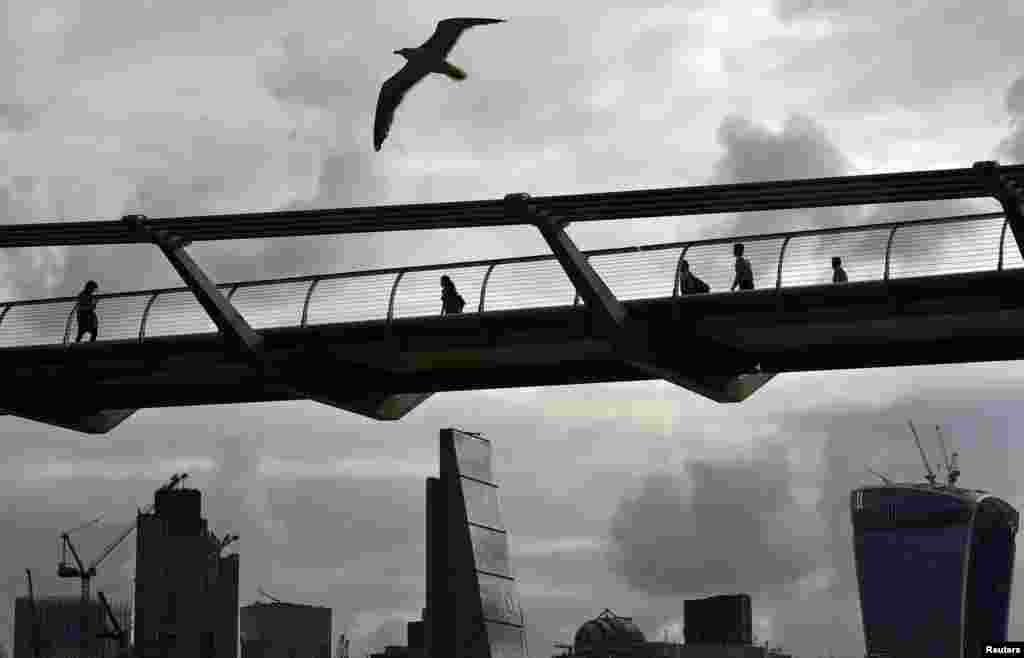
(838, 273)
(744, 274)
(86, 312)
(451, 300)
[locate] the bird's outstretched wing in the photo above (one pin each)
(449, 30)
(391, 94)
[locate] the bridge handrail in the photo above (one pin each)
(755, 237)
(398, 274)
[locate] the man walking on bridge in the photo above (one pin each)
(86, 312)
(838, 273)
(744, 274)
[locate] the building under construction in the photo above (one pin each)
(186, 590)
(282, 630)
(59, 627)
(935, 563)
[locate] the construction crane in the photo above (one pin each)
(35, 640)
(226, 541)
(880, 476)
(86, 573)
(218, 544)
(942, 448)
(118, 633)
(927, 467)
(272, 598)
(79, 570)
(173, 482)
(952, 469)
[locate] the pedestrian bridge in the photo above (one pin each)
(928, 291)
(925, 291)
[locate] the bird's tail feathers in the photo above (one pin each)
(454, 72)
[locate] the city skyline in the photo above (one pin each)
(191, 109)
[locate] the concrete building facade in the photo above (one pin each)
(285, 630)
(186, 592)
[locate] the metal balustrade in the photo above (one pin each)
(936, 246)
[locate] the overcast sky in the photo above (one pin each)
(647, 494)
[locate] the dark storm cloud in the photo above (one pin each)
(980, 429)
(802, 149)
(731, 531)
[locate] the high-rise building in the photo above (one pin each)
(59, 623)
(285, 630)
(473, 605)
(186, 591)
(934, 565)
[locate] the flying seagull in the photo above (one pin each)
(428, 58)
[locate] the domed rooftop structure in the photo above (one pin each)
(607, 630)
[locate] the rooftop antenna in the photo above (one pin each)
(945, 453)
(931, 474)
(879, 476)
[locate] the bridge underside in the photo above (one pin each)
(722, 346)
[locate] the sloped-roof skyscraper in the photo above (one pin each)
(934, 566)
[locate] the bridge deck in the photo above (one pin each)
(941, 290)
(927, 320)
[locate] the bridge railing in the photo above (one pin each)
(944, 245)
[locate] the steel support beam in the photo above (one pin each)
(1009, 195)
(229, 321)
(244, 338)
(631, 343)
(608, 310)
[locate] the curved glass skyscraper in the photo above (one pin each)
(934, 566)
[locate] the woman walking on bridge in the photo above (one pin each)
(86, 312)
(451, 300)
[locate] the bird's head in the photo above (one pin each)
(404, 52)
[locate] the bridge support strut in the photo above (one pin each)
(1009, 195)
(228, 320)
(609, 311)
(239, 334)
(613, 319)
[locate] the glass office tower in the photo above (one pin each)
(473, 606)
(934, 567)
